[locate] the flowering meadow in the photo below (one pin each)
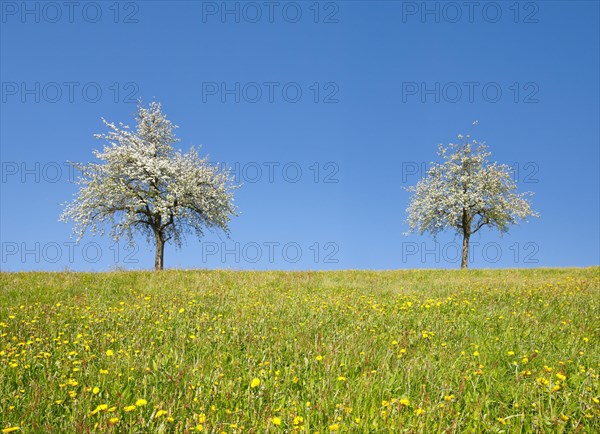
(309, 352)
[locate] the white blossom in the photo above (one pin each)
(141, 185)
(465, 193)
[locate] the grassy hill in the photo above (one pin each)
(349, 351)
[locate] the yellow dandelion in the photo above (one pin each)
(129, 408)
(255, 383)
(141, 402)
(96, 390)
(276, 421)
(109, 353)
(101, 407)
(542, 381)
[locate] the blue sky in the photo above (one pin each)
(338, 104)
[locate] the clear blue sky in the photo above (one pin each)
(393, 81)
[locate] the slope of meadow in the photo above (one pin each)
(350, 351)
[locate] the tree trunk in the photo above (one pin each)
(466, 228)
(464, 263)
(160, 252)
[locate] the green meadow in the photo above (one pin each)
(425, 351)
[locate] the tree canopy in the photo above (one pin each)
(466, 192)
(142, 185)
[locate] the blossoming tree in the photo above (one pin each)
(141, 185)
(465, 193)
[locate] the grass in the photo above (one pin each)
(351, 351)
